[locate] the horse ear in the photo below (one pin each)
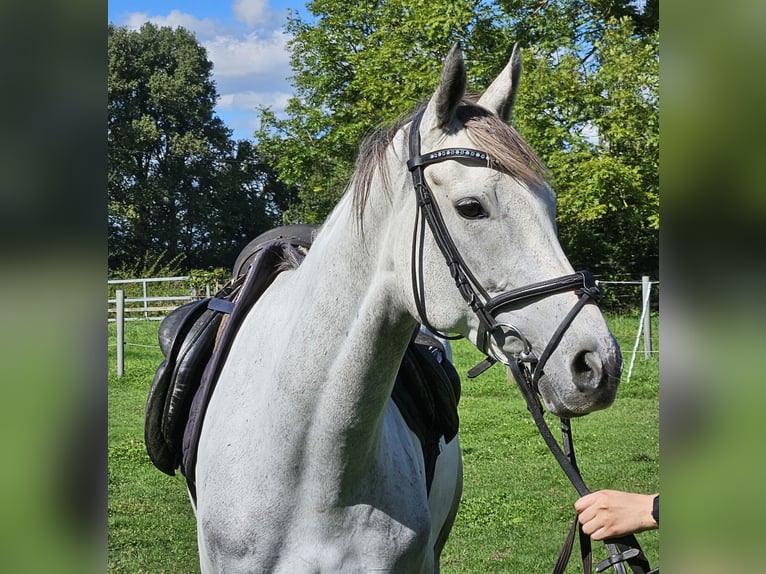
(501, 94)
(442, 105)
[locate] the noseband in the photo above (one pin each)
(526, 366)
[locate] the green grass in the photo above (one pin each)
(151, 525)
(517, 503)
(516, 506)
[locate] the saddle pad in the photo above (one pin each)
(427, 393)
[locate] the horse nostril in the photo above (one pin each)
(587, 370)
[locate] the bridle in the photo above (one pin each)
(485, 307)
(526, 366)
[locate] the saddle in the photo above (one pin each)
(195, 339)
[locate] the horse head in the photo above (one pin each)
(498, 212)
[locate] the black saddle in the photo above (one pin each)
(195, 338)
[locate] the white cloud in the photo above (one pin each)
(202, 28)
(250, 72)
(250, 69)
(240, 110)
(236, 57)
(251, 12)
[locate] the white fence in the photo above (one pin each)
(154, 308)
(142, 307)
(644, 322)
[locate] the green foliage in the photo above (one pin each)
(146, 267)
(590, 108)
(163, 138)
(198, 279)
(177, 183)
(588, 104)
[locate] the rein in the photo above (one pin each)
(526, 367)
(623, 549)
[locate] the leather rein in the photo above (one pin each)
(526, 366)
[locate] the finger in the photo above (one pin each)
(583, 502)
(588, 514)
(590, 527)
(599, 534)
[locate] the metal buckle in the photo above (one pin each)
(494, 347)
(616, 558)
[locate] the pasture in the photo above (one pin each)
(516, 506)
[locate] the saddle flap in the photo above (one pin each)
(427, 393)
(159, 453)
(443, 383)
(190, 363)
(175, 335)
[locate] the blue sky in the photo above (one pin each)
(244, 39)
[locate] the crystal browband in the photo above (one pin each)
(448, 153)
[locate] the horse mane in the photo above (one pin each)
(509, 152)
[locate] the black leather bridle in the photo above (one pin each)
(485, 307)
(526, 366)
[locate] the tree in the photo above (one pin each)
(358, 65)
(249, 200)
(590, 108)
(177, 183)
(588, 103)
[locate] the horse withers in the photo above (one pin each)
(305, 464)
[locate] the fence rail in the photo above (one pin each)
(154, 308)
(151, 307)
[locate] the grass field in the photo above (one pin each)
(516, 506)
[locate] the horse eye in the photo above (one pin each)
(470, 209)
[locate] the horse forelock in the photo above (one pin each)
(508, 151)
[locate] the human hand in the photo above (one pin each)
(609, 513)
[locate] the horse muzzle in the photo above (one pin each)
(589, 385)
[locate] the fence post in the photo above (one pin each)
(120, 323)
(146, 300)
(646, 289)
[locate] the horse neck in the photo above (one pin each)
(351, 303)
(350, 272)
